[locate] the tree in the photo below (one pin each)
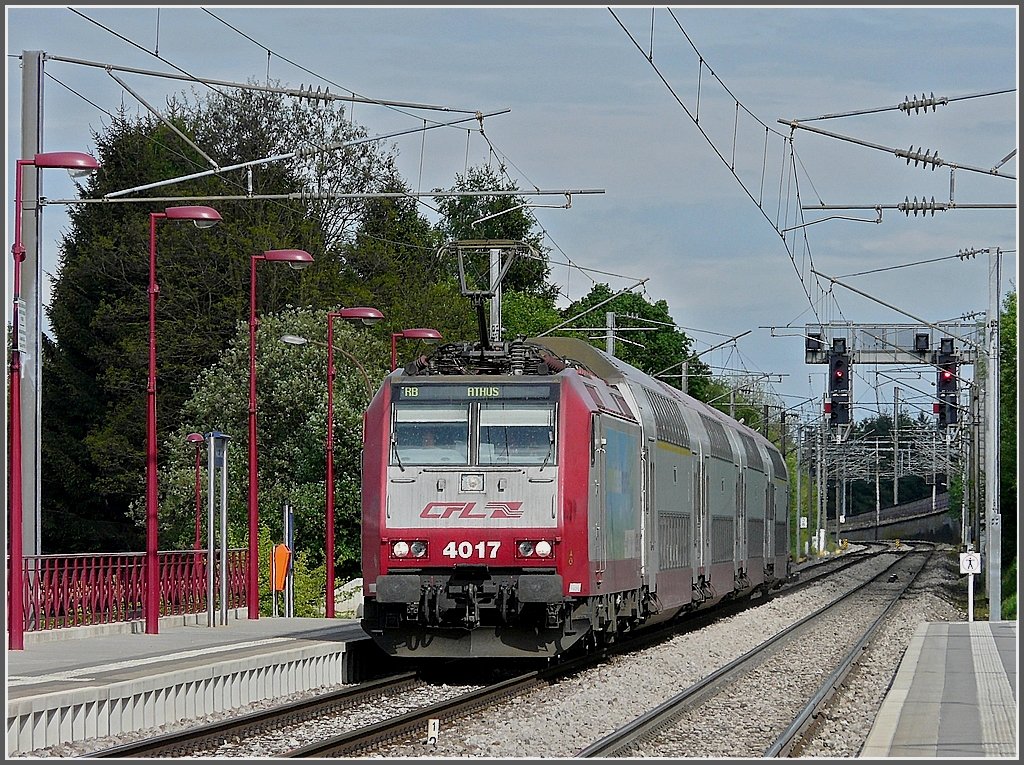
(96, 369)
(655, 344)
(393, 265)
(291, 433)
(463, 218)
(1008, 451)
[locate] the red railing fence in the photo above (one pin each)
(77, 590)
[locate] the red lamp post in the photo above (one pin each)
(198, 440)
(297, 259)
(203, 217)
(415, 333)
(77, 163)
(367, 316)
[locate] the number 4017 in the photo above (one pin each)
(466, 549)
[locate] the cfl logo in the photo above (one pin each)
(466, 510)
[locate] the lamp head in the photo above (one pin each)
(195, 438)
(364, 314)
(293, 340)
(201, 216)
(421, 333)
(297, 259)
(77, 163)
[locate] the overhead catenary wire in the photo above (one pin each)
(694, 117)
(301, 93)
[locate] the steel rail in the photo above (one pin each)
(190, 739)
(645, 726)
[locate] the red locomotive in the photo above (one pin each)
(520, 499)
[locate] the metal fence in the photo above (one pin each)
(79, 590)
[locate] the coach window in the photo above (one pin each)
(517, 434)
(430, 435)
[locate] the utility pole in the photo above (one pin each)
(976, 452)
(895, 446)
(799, 468)
(878, 494)
(32, 272)
(993, 520)
(495, 279)
(820, 484)
(609, 341)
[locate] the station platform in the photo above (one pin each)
(954, 695)
(81, 683)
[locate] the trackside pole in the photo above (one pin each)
(216, 456)
(970, 564)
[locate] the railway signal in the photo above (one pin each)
(947, 391)
(839, 383)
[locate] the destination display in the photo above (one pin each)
(476, 392)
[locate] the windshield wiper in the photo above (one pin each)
(398, 458)
(551, 448)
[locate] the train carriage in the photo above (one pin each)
(519, 500)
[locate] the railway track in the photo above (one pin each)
(187, 741)
(412, 724)
(667, 730)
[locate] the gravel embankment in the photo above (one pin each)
(562, 719)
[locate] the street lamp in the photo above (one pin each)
(77, 164)
(297, 259)
(203, 217)
(197, 439)
(366, 316)
(416, 333)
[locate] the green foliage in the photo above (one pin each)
(802, 504)
(96, 371)
(1008, 588)
(309, 581)
(527, 315)
(291, 435)
(645, 335)
(393, 265)
(507, 218)
(1008, 418)
(1008, 446)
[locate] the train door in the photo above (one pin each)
(740, 549)
(598, 509)
(700, 504)
(769, 523)
(648, 524)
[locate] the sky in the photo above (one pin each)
(673, 115)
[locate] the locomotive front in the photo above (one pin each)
(462, 480)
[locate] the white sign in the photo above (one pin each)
(842, 519)
(970, 563)
(803, 521)
(22, 338)
(433, 728)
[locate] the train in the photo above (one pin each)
(535, 496)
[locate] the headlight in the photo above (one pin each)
(543, 548)
(400, 549)
(526, 548)
(472, 482)
(419, 549)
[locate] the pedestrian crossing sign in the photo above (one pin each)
(970, 563)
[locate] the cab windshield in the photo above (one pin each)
(485, 433)
(431, 435)
(516, 434)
